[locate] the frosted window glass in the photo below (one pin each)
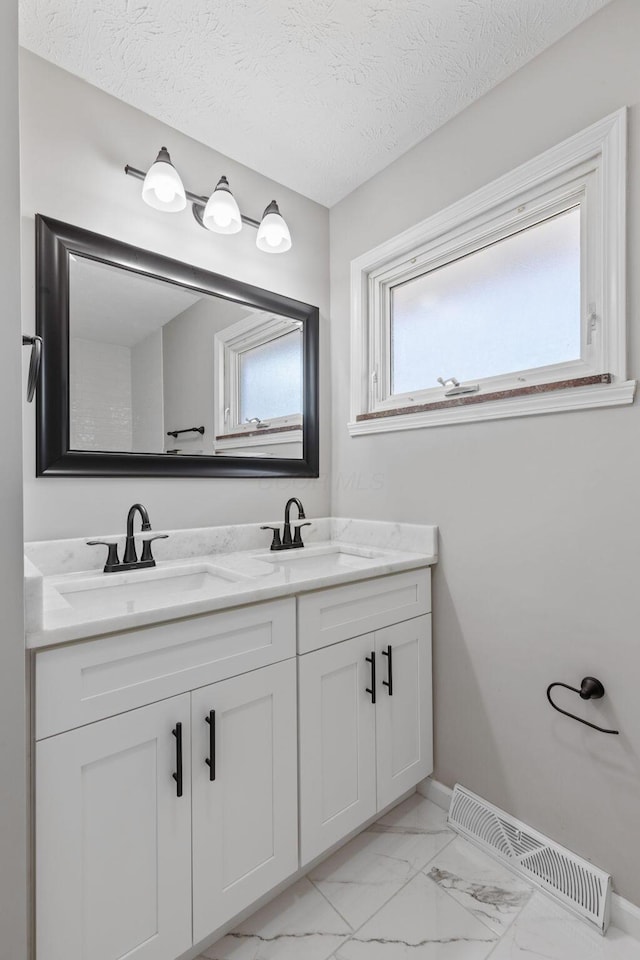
(271, 379)
(511, 306)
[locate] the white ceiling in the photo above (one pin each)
(317, 94)
(111, 305)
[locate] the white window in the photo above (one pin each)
(510, 302)
(259, 382)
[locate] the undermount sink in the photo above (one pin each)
(137, 590)
(103, 595)
(327, 559)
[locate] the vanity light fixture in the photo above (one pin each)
(222, 214)
(163, 190)
(273, 233)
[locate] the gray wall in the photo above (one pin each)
(539, 574)
(75, 143)
(146, 394)
(13, 790)
(189, 370)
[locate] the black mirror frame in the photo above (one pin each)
(55, 241)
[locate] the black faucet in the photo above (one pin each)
(287, 542)
(130, 555)
(130, 559)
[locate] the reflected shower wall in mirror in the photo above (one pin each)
(149, 359)
(154, 367)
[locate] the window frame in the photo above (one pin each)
(587, 170)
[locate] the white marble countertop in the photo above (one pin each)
(69, 598)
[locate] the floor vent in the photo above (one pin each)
(577, 884)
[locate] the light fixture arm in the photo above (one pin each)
(197, 202)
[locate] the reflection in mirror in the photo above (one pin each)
(149, 358)
(155, 367)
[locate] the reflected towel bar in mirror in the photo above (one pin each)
(174, 433)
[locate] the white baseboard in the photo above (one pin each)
(436, 792)
(625, 916)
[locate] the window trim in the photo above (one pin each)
(588, 168)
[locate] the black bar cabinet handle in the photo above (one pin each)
(211, 759)
(389, 681)
(372, 690)
(177, 776)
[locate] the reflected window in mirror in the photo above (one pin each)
(270, 381)
(260, 370)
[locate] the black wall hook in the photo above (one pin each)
(590, 689)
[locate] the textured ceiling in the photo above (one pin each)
(317, 94)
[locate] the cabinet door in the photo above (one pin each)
(404, 726)
(245, 811)
(113, 859)
(337, 743)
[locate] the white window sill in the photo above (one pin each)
(259, 438)
(615, 394)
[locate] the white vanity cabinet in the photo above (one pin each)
(170, 759)
(122, 859)
(362, 744)
(404, 724)
(113, 840)
(244, 793)
(337, 745)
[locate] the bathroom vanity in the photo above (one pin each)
(198, 743)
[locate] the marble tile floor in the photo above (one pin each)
(408, 887)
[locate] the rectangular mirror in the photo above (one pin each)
(154, 367)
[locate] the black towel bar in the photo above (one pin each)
(174, 433)
(590, 689)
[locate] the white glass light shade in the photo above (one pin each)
(221, 213)
(162, 188)
(273, 233)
